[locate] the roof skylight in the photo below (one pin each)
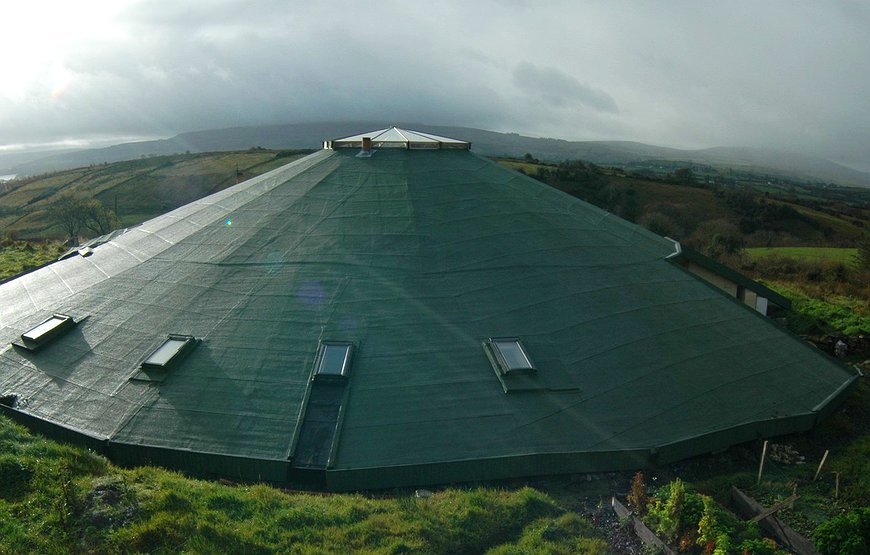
(510, 355)
(333, 360)
(169, 352)
(47, 330)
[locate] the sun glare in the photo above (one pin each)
(37, 38)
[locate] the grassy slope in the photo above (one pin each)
(140, 189)
(60, 499)
(816, 254)
(829, 314)
(16, 257)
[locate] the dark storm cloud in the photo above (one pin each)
(560, 89)
(689, 74)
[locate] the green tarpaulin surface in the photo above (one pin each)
(416, 258)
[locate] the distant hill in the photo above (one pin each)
(11, 159)
(490, 143)
(788, 162)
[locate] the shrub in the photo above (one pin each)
(638, 497)
(847, 534)
(708, 526)
(759, 547)
(665, 515)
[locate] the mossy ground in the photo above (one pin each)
(61, 499)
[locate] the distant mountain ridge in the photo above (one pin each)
(489, 143)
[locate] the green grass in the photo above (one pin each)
(813, 254)
(18, 256)
(833, 315)
(61, 499)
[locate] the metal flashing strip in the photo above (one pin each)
(678, 249)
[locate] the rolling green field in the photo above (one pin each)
(814, 254)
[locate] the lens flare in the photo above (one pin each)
(62, 80)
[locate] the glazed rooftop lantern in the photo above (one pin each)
(393, 137)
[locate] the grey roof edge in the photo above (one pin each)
(95, 242)
(268, 181)
(53, 429)
(281, 471)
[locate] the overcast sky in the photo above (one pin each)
(691, 74)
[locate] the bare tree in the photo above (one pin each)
(67, 210)
(97, 218)
(75, 214)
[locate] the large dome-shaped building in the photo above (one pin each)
(396, 316)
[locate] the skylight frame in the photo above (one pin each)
(183, 344)
(321, 373)
(42, 334)
(505, 360)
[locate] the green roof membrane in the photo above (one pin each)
(416, 258)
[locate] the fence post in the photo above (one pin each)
(819, 470)
(761, 464)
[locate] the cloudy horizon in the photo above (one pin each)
(781, 75)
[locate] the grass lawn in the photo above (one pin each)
(813, 254)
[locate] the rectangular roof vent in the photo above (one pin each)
(46, 331)
(333, 360)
